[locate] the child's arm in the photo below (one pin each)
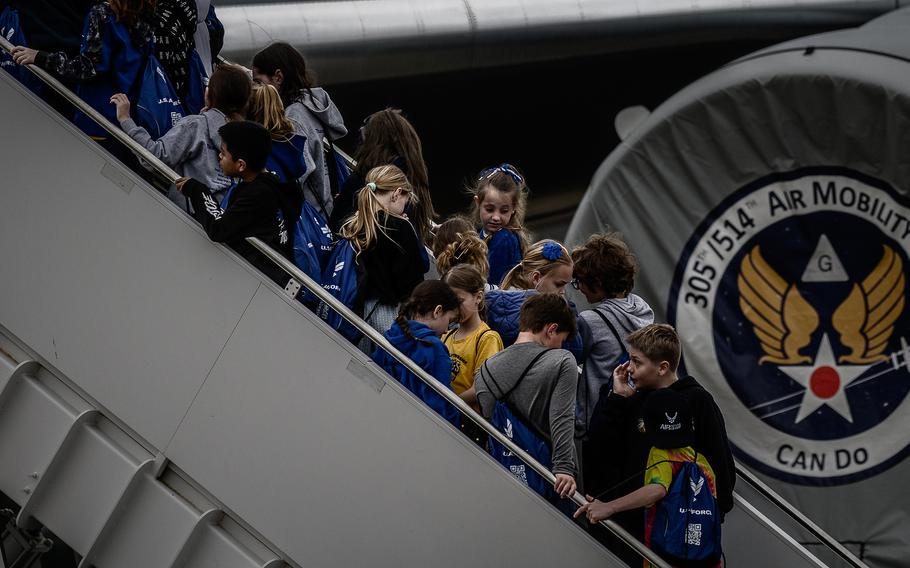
(242, 219)
(597, 511)
(175, 147)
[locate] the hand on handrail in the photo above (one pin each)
(23, 55)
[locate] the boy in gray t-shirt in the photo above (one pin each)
(545, 397)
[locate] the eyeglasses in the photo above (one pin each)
(504, 168)
(574, 283)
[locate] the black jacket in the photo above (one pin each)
(394, 263)
(619, 448)
(252, 211)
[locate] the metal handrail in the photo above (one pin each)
(317, 290)
(797, 515)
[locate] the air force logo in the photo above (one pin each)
(791, 301)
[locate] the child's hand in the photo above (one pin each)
(621, 381)
(123, 106)
(594, 510)
(565, 485)
(180, 183)
(24, 55)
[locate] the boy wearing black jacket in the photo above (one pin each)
(617, 425)
(254, 204)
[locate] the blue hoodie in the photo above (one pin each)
(288, 159)
(433, 357)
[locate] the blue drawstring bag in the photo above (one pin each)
(341, 279)
(509, 423)
(198, 80)
(11, 30)
(157, 106)
(312, 242)
(687, 523)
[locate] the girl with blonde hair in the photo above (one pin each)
(387, 246)
(546, 268)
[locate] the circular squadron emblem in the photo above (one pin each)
(792, 305)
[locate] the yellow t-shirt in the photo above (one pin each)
(469, 353)
(664, 464)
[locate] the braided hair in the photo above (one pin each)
(423, 300)
(467, 248)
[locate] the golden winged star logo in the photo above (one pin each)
(865, 320)
(783, 322)
(782, 319)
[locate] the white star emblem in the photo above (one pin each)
(824, 381)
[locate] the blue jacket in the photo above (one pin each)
(433, 357)
(503, 310)
(503, 253)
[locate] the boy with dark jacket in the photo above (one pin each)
(257, 207)
(623, 448)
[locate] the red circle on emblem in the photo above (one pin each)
(824, 382)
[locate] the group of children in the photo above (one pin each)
(472, 301)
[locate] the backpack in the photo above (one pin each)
(312, 242)
(196, 84)
(157, 105)
(341, 279)
(11, 30)
(687, 522)
(525, 437)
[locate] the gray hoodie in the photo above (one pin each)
(191, 147)
(602, 351)
(316, 116)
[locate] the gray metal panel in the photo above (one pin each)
(93, 263)
(311, 454)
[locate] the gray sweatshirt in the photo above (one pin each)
(555, 372)
(601, 349)
(191, 147)
(316, 117)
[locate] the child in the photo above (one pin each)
(605, 273)
(473, 342)
(537, 381)
(546, 267)
(654, 353)
(668, 428)
(425, 316)
(310, 108)
(386, 244)
(500, 200)
(191, 146)
(388, 138)
(252, 209)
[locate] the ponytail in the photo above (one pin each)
(363, 227)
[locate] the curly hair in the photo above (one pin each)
(606, 262)
(423, 300)
(469, 249)
(541, 257)
(450, 231)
